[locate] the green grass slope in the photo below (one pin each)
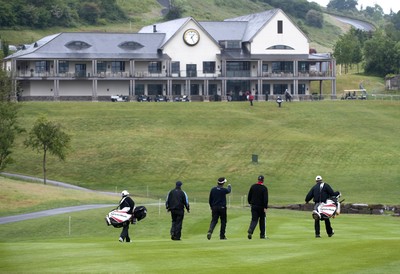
(146, 147)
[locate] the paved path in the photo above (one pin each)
(50, 212)
(362, 25)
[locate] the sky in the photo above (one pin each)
(385, 4)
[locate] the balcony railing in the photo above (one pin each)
(180, 74)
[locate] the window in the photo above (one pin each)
(286, 67)
(80, 70)
(155, 89)
(117, 66)
(232, 44)
(301, 89)
(154, 67)
(130, 45)
(280, 47)
(139, 89)
(280, 26)
(238, 69)
(63, 66)
(77, 45)
(191, 70)
(279, 89)
(264, 67)
(304, 66)
(101, 66)
(42, 66)
(208, 67)
(175, 67)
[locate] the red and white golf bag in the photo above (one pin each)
(327, 210)
(118, 217)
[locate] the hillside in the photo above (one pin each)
(146, 147)
(145, 12)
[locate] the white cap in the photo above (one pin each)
(318, 178)
(124, 193)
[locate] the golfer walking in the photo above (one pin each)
(176, 202)
(320, 192)
(258, 200)
(217, 202)
(126, 204)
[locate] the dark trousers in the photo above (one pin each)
(257, 216)
(176, 227)
(328, 226)
(218, 212)
(125, 232)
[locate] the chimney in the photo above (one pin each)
(154, 28)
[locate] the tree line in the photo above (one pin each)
(377, 51)
(64, 13)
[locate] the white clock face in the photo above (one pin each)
(191, 37)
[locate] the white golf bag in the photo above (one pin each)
(327, 210)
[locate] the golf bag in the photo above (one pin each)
(118, 217)
(330, 209)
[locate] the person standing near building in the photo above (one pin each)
(320, 192)
(176, 202)
(258, 200)
(126, 204)
(279, 101)
(251, 99)
(217, 202)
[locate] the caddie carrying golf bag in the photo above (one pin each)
(330, 209)
(118, 217)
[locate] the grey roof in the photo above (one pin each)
(224, 31)
(100, 46)
(255, 22)
(168, 28)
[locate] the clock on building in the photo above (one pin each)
(191, 37)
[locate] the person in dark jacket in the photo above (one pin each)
(217, 202)
(176, 202)
(126, 204)
(258, 200)
(320, 192)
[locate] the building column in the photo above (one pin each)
(94, 90)
(333, 87)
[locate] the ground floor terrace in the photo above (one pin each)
(207, 89)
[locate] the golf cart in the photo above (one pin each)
(119, 98)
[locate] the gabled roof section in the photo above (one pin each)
(168, 28)
(102, 46)
(255, 22)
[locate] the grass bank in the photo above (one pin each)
(146, 147)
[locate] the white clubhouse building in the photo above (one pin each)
(263, 53)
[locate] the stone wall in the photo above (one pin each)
(376, 209)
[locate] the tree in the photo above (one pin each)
(175, 11)
(8, 120)
(382, 55)
(47, 136)
(315, 19)
(343, 5)
(347, 49)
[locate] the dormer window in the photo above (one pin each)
(130, 45)
(280, 47)
(77, 45)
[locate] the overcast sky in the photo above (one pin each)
(385, 4)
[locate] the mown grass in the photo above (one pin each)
(146, 147)
(81, 242)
